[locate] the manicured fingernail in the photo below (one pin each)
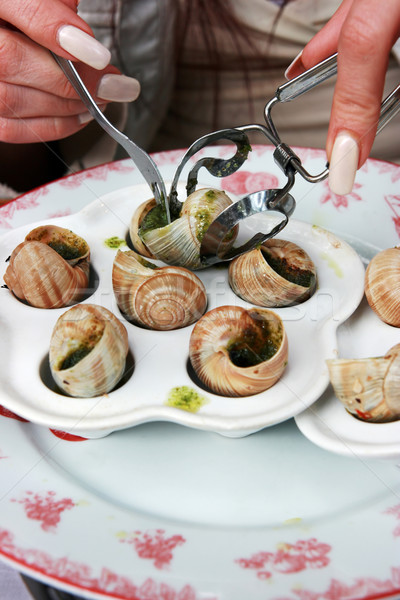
(343, 164)
(86, 117)
(118, 88)
(295, 67)
(83, 46)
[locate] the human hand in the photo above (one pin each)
(37, 103)
(363, 33)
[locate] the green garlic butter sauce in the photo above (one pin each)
(185, 398)
(289, 272)
(154, 219)
(114, 242)
(255, 345)
(80, 349)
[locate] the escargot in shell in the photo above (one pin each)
(278, 273)
(160, 298)
(382, 285)
(238, 352)
(178, 243)
(88, 349)
(368, 387)
(50, 268)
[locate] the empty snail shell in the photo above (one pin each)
(368, 387)
(50, 269)
(179, 242)
(238, 352)
(88, 349)
(160, 298)
(382, 285)
(279, 273)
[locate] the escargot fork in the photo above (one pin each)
(142, 160)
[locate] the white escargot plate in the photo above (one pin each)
(161, 358)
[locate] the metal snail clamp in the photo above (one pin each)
(277, 200)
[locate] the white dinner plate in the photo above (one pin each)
(164, 512)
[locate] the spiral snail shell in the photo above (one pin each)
(278, 273)
(138, 218)
(238, 352)
(88, 349)
(382, 285)
(50, 268)
(368, 387)
(160, 298)
(179, 242)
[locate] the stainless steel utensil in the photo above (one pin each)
(142, 160)
(268, 200)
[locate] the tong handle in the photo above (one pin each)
(308, 80)
(323, 71)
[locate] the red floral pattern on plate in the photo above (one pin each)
(289, 558)
(80, 575)
(394, 204)
(340, 201)
(97, 173)
(245, 182)
(28, 201)
(363, 588)
(394, 510)
(154, 546)
(46, 509)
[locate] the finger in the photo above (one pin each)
(17, 102)
(322, 45)
(25, 63)
(364, 45)
(55, 25)
(41, 129)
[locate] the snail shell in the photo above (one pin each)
(369, 387)
(238, 352)
(178, 243)
(137, 219)
(50, 269)
(160, 298)
(382, 285)
(279, 273)
(88, 349)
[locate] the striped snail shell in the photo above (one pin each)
(382, 285)
(278, 273)
(238, 352)
(368, 387)
(154, 297)
(88, 349)
(50, 268)
(178, 243)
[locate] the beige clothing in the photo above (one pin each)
(303, 122)
(177, 102)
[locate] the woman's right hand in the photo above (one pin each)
(37, 103)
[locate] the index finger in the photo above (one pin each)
(364, 46)
(55, 25)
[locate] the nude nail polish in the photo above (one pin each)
(118, 88)
(343, 164)
(83, 46)
(295, 67)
